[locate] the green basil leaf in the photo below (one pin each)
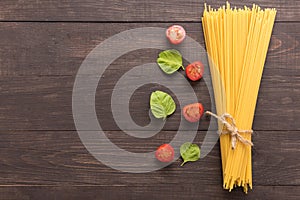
(170, 61)
(189, 152)
(161, 104)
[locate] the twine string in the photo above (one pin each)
(228, 121)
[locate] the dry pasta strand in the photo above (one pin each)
(237, 42)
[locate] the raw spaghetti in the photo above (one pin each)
(237, 42)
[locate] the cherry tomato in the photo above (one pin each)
(175, 34)
(193, 112)
(165, 153)
(194, 71)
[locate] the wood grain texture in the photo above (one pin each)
(158, 191)
(43, 44)
(59, 158)
(132, 10)
(45, 103)
(59, 48)
(37, 76)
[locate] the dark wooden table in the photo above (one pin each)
(43, 44)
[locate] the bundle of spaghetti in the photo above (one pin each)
(237, 42)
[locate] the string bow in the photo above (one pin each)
(228, 121)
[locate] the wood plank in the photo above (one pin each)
(45, 103)
(39, 62)
(158, 191)
(59, 158)
(41, 154)
(60, 48)
(132, 10)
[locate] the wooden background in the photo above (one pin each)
(43, 43)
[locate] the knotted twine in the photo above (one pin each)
(231, 129)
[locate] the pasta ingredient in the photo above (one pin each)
(237, 42)
(194, 71)
(165, 153)
(193, 112)
(189, 152)
(170, 61)
(175, 34)
(161, 104)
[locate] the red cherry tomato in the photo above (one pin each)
(165, 153)
(193, 112)
(175, 34)
(194, 71)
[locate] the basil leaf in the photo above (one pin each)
(161, 104)
(170, 61)
(189, 152)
